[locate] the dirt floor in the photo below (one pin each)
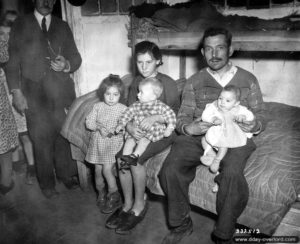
(27, 217)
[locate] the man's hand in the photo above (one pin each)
(135, 131)
(19, 101)
(197, 127)
(60, 64)
(246, 126)
(148, 122)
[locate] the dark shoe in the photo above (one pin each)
(101, 200)
(178, 233)
(130, 221)
(50, 193)
(126, 161)
(130, 159)
(5, 189)
(30, 175)
(113, 202)
(116, 218)
(71, 183)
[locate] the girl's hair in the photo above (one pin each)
(156, 85)
(111, 80)
(234, 89)
(150, 48)
(6, 22)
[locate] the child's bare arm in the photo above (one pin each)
(169, 131)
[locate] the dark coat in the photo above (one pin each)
(30, 53)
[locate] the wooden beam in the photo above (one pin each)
(182, 65)
(243, 41)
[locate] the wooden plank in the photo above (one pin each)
(290, 224)
(182, 65)
(243, 41)
(82, 175)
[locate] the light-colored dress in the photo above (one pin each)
(138, 111)
(102, 150)
(228, 134)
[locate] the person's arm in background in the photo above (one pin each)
(69, 60)
(13, 67)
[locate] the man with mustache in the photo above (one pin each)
(179, 168)
(42, 54)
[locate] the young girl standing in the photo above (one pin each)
(104, 143)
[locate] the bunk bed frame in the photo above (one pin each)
(271, 41)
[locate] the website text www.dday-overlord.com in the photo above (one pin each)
(272, 239)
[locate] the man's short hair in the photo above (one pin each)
(213, 31)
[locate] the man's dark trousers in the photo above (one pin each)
(45, 118)
(179, 171)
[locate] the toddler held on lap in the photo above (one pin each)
(150, 90)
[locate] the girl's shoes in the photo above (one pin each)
(113, 201)
(30, 175)
(101, 200)
(6, 189)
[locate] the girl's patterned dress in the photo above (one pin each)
(102, 150)
(8, 127)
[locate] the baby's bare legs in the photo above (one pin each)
(141, 146)
(129, 146)
(209, 153)
(131, 154)
(216, 164)
(214, 167)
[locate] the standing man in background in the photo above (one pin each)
(43, 53)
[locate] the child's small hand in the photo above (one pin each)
(168, 132)
(118, 129)
(103, 131)
(217, 121)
